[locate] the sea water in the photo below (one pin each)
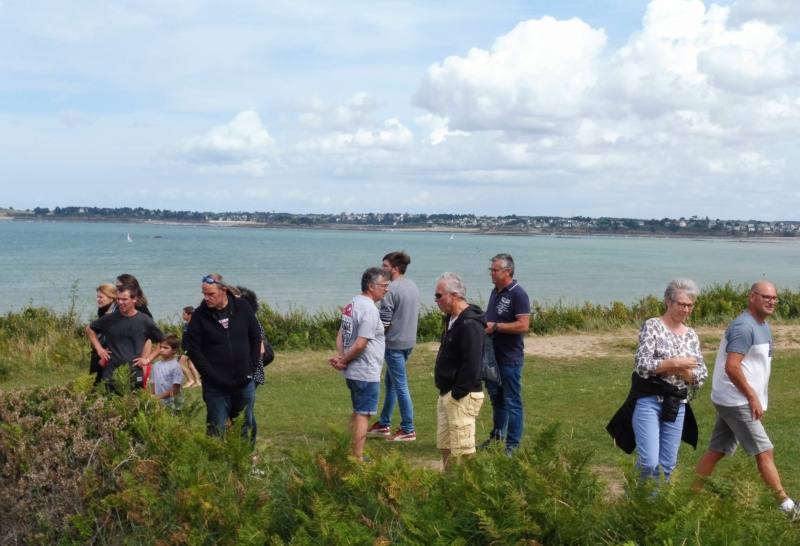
(313, 269)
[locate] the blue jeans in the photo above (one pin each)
(657, 441)
(397, 390)
(222, 405)
(507, 414)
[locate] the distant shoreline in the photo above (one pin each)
(451, 230)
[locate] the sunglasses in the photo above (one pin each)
(209, 280)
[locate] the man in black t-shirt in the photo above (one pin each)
(126, 332)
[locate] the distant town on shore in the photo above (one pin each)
(513, 224)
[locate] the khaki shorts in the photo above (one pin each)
(456, 422)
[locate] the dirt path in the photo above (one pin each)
(623, 342)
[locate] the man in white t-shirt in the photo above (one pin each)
(360, 344)
(739, 393)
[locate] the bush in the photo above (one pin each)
(38, 340)
(81, 466)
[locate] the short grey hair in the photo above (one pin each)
(453, 284)
(681, 286)
(506, 262)
(373, 275)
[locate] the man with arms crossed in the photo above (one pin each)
(360, 344)
(509, 317)
(457, 372)
(224, 343)
(126, 332)
(739, 392)
(399, 313)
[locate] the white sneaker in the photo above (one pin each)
(791, 508)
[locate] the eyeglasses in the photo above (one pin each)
(767, 298)
(496, 270)
(686, 306)
(438, 296)
(209, 280)
(384, 285)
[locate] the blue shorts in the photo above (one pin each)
(364, 395)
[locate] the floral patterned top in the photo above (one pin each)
(657, 343)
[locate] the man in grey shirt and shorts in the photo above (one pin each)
(739, 393)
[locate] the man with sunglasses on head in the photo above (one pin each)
(224, 343)
(739, 393)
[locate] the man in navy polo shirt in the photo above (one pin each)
(508, 318)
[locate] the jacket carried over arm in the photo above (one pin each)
(460, 359)
(621, 425)
(225, 357)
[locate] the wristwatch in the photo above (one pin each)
(494, 328)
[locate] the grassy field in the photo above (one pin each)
(157, 476)
(304, 400)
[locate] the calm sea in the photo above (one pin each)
(314, 269)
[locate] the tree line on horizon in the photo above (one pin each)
(512, 223)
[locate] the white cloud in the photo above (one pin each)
(450, 104)
(243, 140)
(393, 136)
(776, 12)
(534, 78)
(350, 115)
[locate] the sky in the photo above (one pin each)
(619, 108)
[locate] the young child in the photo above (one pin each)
(192, 377)
(166, 376)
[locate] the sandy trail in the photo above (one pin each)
(623, 342)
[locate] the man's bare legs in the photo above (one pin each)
(358, 427)
(446, 459)
(764, 461)
(766, 467)
(705, 466)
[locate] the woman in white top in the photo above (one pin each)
(671, 365)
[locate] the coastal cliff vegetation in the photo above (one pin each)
(79, 466)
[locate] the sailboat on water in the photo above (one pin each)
(129, 238)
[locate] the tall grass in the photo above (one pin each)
(78, 466)
(82, 467)
(37, 340)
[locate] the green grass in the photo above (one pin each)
(304, 398)
(153, 475)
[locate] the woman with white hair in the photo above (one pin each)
(669, 370)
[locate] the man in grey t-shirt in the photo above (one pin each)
(360, 345)
(399, 313)
(739, 393)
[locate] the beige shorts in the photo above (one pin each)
(456, 422)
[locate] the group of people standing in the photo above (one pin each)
(228, 347)
(223, 340)
(669, 369)
(227, 350)
(369, 336)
